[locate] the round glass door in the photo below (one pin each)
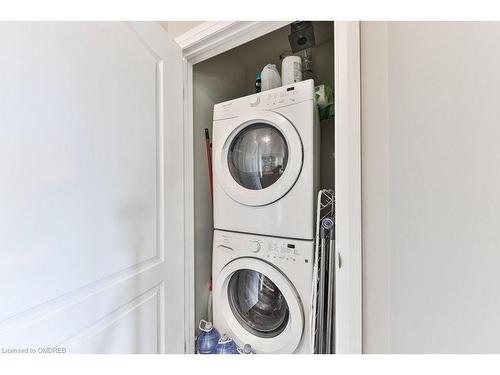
(257, 156)
(257, 303)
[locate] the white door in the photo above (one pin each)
(258, 158)
(91, 194)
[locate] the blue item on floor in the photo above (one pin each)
(226, 345)
(208, 338)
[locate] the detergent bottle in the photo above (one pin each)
(207, 339)
(226, 345)
(270, 78)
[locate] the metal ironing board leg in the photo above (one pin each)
(320, 284)
(330, 343)
(326, 233)
(321, 297)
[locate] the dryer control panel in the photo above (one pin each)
(271, 249)
(266, 100)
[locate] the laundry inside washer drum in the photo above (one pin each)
(257, 303)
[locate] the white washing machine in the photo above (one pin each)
(266, 162)
(262, 291)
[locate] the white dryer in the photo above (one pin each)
(265, 162)
(262, 291)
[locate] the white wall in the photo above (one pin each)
(375, 188)
(431, 183)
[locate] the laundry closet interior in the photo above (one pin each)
(228, 76)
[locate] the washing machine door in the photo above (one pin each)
(260, 306)
(261, 158)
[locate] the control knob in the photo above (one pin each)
(258, 246)
(254, 101)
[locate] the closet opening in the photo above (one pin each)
(232, 75)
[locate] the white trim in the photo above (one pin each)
(348, 187)
(200, 32)
(189, 281)
(213, 38)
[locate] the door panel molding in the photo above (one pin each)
(38, 313)
(154, 294)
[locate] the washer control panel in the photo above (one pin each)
(282, 250)
(271, 249)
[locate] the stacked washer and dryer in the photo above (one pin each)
(266, 177)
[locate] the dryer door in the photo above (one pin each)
(260, 306)
(260, 160)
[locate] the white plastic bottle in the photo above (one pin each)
(291, 70)
(270, 77)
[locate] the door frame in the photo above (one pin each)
(212, 38)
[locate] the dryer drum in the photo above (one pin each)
(258, 156)
(257, 303)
